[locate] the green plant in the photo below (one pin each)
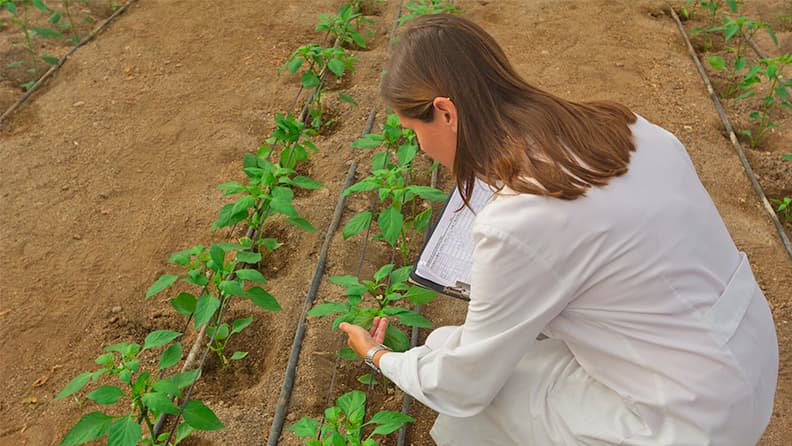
(319, 59)
(417, 8)
(344, 25)
(138, 396)
(269, 188)
(217, 280)
(388, 287)
(402, 213)
(771, 70)
(784, 205)
(30, 33)
(344, 423)
(743, 29)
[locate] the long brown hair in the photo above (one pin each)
(508, 131)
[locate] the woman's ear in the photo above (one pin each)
(446, 111)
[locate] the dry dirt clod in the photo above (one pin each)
(116, 309)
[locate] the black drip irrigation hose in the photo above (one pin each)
(291, 369)
(62, 60)
(733, 137)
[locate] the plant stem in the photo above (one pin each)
(67, 9)
(29, 39)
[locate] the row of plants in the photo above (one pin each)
(61, 25)
(745, 76)
(402, 215)
(210, 277)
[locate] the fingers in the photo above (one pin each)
(381, 328)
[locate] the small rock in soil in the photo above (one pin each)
(116, 309)
(79, 104)
(77, 237)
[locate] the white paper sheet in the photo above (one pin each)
(447, 257)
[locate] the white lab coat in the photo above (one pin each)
(658, 333)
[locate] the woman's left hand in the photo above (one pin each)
(362, 340)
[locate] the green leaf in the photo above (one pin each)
(336, 66)
(304, 427)
(124, 432)
(163, 282)
(351, 402)
(159, 338)
(47, 33)
(419, 295)
(301, 223)
(347, 281)
(159, 403)
(390, 223)
(75, 385)
(184, 379)
(270, 244)
(357, 224)
(309, 79)
(329, 308)
(295, 64)
(385, 429)
(396, 339)
(238, 355)
(14, 64)
(390, 417)
(348, 354)
(39, 4)
(363, 185)
(106, 394)
(184, 304)
(306, 183)
(183, 431)
(197, 415)
(717, 62)
(251, 258)
(54, 18)
(170, 356)
(11, 7)
(231, 288)
(787, 156)
(347, 98)
(401, 274)
(90, 427)
(367, 379)
(52, 60)
(205, 309)
(252, 275)
(383, 272)
(369, 141)
(240, 324)
(105, 359)
(217, 254)
(428, 193)
(261, 298)
(413, 319)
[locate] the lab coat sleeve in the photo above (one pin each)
(514, 294)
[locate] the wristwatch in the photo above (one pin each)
(373, 351)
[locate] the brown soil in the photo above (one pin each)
(113, 165)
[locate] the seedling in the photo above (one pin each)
(743, 29)
(423, 7)
(217, 281)
(771, 70)
(268, 190)
(344, 26)
(319, 59)
(31, 32)
(388, 287)
(137, 395)
(344, 423)
(784, 204)
(388, 178)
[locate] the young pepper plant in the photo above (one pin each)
(138, 395)
(319, 58)
(388, 288)
(344, 423)
(345, 25)
(770, 70)
(418, 8)
(30, 33)
(217, 281)
(389, 179)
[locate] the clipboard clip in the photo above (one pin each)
(461, 289)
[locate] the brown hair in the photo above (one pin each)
(507, 130)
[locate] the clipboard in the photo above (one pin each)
(445, 262)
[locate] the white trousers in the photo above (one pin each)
(551, 400)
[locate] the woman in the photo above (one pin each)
(601, 238)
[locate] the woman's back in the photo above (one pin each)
(661, 306)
